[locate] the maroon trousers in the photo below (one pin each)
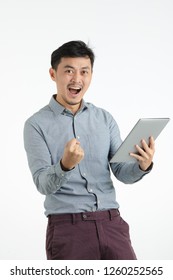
(101, 235)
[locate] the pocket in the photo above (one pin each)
(124, 228)
(62, 240)
(124, 223)
(121, 226)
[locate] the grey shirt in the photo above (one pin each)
(87, 187)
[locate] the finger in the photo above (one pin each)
(137, 157)
(152, 143)
(148, 149)
(142, 152)
(145, 146)
(72, 143)
(149, 146)
(78, 149)
(77, 143)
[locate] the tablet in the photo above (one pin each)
(143, 129)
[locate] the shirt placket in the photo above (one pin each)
(82, 168)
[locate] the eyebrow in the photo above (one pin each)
(69, 66)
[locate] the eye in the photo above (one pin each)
(69, 71)
(84, 72)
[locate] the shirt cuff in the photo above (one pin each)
(61, 176)
(149, 168)
(62, 173)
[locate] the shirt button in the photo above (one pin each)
(84, 174)
(90, 190)
(78, 137)
(62, 174)
(84, 216)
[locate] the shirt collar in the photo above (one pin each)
(58, 109)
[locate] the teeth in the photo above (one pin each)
(74, 86)
(74, 90)
(78, 89)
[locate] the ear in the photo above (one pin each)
(52, 73)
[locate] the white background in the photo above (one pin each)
(133, 78)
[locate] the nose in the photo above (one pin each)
(76, 78)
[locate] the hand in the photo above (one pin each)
(73, 154)
(145, 154)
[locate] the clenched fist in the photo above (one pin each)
(73, 154)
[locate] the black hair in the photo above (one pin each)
(71, 49)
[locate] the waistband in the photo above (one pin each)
(84, 216)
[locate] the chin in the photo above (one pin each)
(74, 103)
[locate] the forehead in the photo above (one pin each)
(75, 62)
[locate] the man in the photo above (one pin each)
(69, 144)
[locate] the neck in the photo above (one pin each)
(71, 107)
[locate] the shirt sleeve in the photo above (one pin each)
(126, 172)
(47, 177)
(129, 172)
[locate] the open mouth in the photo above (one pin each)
(74, 90)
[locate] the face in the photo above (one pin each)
(72, 77)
